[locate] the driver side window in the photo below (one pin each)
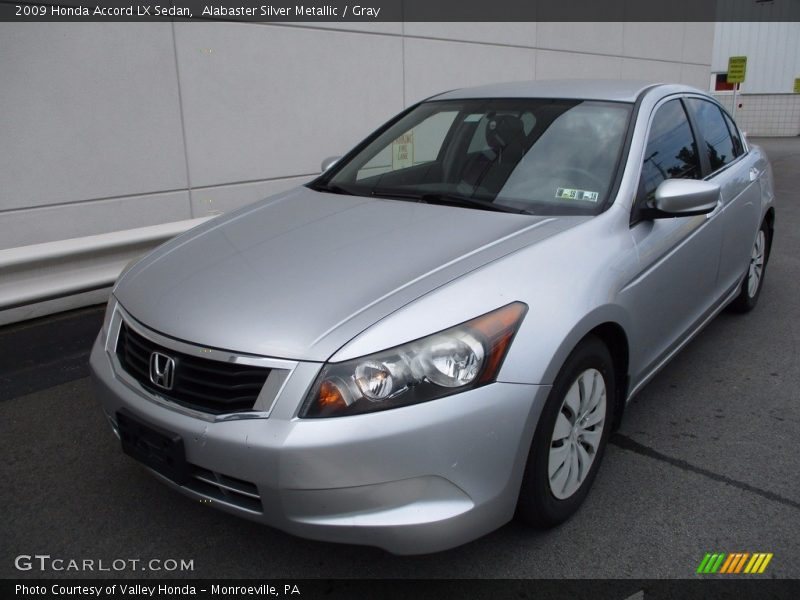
(671, 151)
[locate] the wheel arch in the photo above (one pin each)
(769, 219)
(612, 332)
(613, 336)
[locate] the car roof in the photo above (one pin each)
(614, 90)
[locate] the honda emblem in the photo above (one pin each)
(162, 370)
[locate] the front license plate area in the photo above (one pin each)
(157, 448)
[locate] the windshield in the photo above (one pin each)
(524, 155)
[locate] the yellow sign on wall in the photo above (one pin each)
(797, 85)
(737, 65)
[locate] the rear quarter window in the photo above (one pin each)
(738, 145)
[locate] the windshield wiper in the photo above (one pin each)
(332, 189)
(444, 198)
(469, 201)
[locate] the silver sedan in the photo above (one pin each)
(444, 327)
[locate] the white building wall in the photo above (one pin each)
(766, 104)
(113, 126)
(772, 50)
(765, 115)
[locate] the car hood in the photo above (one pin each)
(298, 275)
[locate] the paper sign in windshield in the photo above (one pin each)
(403, 151)
(570, 194)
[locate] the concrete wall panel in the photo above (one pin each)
(595, 38)
(661, 41)
(375, 27)
(651, 70)
(89, 111)
(695, 75)
(436, 66)
(79, 219)
(220, 199)
(698, 42)
(265, 102)
(509, 34)
(559, 65)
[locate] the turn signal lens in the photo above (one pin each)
(499, 327)
(451, 361)
(330, 397)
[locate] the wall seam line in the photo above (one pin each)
(155, 193)
(406, 36)
(403, 50)
(183, 123)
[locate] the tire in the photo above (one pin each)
(546, 501)
(757, 268)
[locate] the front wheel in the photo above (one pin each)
(754, 280)
(570, 438)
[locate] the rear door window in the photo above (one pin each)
(716, 138)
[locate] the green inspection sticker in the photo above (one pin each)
(570, 194)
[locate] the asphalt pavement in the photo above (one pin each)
(706, 460)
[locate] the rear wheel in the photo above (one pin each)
(754, 279)
(570, 438)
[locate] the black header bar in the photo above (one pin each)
(281, 11)
(711, 588)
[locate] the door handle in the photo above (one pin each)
(753, 173)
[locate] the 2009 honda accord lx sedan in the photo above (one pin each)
(444, 327)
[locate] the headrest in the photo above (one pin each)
(504, 131)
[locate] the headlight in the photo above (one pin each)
(454, 360)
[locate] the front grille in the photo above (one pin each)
(225, 489)
(209, 386)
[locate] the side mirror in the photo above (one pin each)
(683, 198)
(329, 162)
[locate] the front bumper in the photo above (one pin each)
(411, 480)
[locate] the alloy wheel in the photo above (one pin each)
(756, 264)
(577, 433)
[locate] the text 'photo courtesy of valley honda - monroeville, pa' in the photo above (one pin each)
(442, 329)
